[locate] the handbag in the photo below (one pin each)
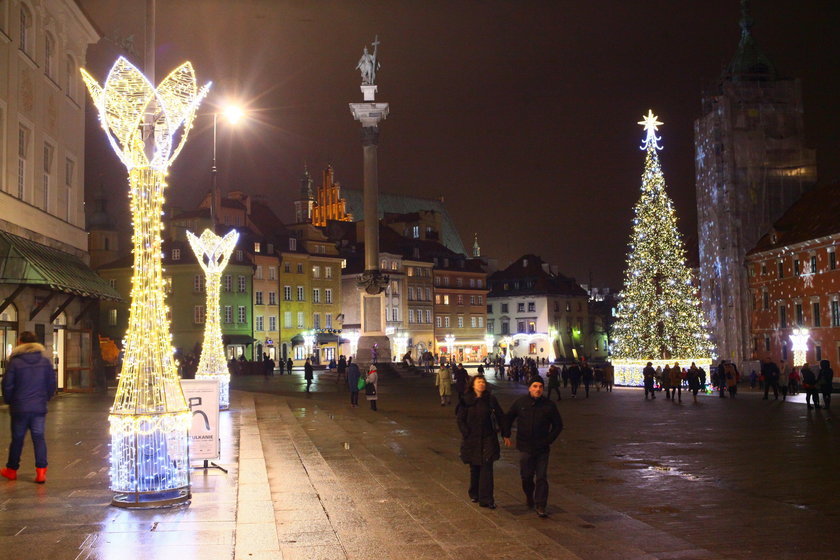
(360, 384)
(370, 389)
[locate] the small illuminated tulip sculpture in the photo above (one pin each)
(150, 419)
(213, 252)
(799, 345)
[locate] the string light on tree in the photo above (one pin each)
(213, 252)
(147, 128)
(659, 318)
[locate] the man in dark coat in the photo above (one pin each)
(353, 375)
(648, 374)
(770, 371)
(461, 380)
(538, 423)
(825, 381)
(289, 365)
(30, 382)
(308, 374)
(574, 378)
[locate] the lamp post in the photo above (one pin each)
(450, 345)
(232, 114)
(799, 344)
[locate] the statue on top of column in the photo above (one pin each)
(368, 64)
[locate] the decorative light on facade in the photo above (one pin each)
(450, 345)
(489, 342)
(353, 337)
(309, 342)
(401, 342)
(799, 345)
(150, 419)
(213, 253)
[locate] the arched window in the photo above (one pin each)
(49, 56)
(26, 31)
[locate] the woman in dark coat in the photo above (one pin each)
(825, 380)
(479, 415)
(308, 374)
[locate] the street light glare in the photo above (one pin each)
(233, 113)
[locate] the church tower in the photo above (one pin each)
(751, 165)
(306, 199)
(476, 248)
(328, 202)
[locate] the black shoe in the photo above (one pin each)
(530, 501)
(541, 511)
(474, 500)
(491, 505)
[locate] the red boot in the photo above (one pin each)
(11, 474)
(41, 475)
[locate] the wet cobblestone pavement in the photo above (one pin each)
(311, 477)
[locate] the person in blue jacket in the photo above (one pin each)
(30, 382)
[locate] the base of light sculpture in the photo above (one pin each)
(224, 388)
(629, 372)
(150, 460)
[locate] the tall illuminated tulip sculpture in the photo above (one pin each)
(213, 252)
(150, 419)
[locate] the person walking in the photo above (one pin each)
(308, 374)
(553, 376)
(809, 385)
(341, 369)
(770, 372)
(564, 375)
(676, 382)
(732, 378)
(665, 381)
(609, 376)
(586, 377)
(480, 418)
(538, 423)
(268, 365)
(443, 381)
(461, 378)
(784, 379)
(289, 365)
(372, 387)
(353, 376)
(648, 374)
(574, 378)
(825, 380)
(693, 378)
(29, 383)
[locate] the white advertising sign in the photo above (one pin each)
(203, 399)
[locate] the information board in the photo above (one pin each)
(203, 399)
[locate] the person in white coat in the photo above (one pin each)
(372, 387)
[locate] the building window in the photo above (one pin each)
(446, 280)
(437, 280)
(782, 316)
(328, 295)
(228, 314)
(781, 269)
(238, 255)
(799, 315)
(395, 265)
(520, 307)
(316, 272)
(258, 320)
(176, 256)
(23, 156)
(241, 314)
(198, 314)
(504, 308)
(272, 273)
(815, 308)
(818, 352)
(300, 323)
(272, 298)
(505, 327)
(292, 244)
(532, 306)
(480, 322)
(460, 299)
(299, 268)
(472, 322)
(287, 267)
(287, 293)
(446, 322)
(832, 260)
(480, 300)
(446, 299)
(764, 268)
(429, 316)
(272, 323)
(796, 271)
(49, 152)
(316, 320)
(835, 313)
(258, 298)
(520, 326)
(438, 321)
(328, 320)
(490, 308)
(198, 283)
(241, 284)
(415, 232)
(259, 273)
(813, 265)
(327, 272)
(112, 317)
(491, 325)
(316, 295)
(411, 315)
(383, 264)
(300, 295)
(26, 34)
(459, 282)
(257, 246)
(765, 297)
(287, 319)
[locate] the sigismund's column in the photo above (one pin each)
(373, 343)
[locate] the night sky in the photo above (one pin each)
(521, 114)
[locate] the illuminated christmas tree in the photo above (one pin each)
(659, 316)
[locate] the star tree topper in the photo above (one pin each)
(651, 123)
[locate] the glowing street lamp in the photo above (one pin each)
(213, 252)
(233, 115)
(799, 344)
(150, 419)
(353, 337)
